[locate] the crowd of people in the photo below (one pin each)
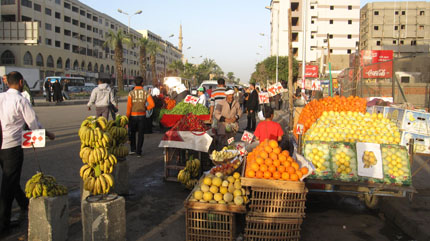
(57, 91)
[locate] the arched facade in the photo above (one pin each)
(7, 57)
(28, 58)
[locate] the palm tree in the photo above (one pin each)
(177, 67)
(142, 43)
(153, 49)
(116, 41)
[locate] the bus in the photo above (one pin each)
(76, 84)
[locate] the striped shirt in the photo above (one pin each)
(217, 95)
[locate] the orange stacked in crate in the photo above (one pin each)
(277, 199)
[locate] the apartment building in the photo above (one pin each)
(403, 27)
(336, 20)
(64, 37)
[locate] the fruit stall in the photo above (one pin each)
(169, 117)
(353, 151)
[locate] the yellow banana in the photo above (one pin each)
(83, 168)
(108, 178)
(102, 183)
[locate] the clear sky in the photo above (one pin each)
(227, 31)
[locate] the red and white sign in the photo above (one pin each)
(191, 99)
(231, 140)
(378, 71)
(311, 71)
(263, 98)
(247, 137)
(33, 138)
(300, 129)
(375, 56)
(275, 89)
(316, 85)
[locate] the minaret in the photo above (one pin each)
(180, 37)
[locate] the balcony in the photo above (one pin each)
(19, 32)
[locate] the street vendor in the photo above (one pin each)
(268, 129)
(227, 113)
(202, 96)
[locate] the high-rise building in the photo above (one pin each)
(336, 20)
(66, 37)
(399, 26)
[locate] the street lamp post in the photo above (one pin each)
(277, 41)
(128, 32)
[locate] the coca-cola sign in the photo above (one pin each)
(378, 71)
(311, 71)
(375, 56)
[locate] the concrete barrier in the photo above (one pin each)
(84, 193)
(120, 175)
(48, 218)
(104, 220)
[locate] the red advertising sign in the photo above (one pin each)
(378, 71)
(311, 71)
(375, 56)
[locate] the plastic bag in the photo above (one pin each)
(344, 161)
(396, 165)
(319, 154)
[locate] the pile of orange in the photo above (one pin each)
(314, 109)
(269, 161)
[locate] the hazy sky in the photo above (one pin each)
(224, 30)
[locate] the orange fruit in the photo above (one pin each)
(263, 168)
(286, 164)
(272, 169)
(291, 170)
(299, 173)
(273, 156)
(281, 169)
(267, 174)
(273, 143)
(304, 170)
(290, 159)
(277, 150)
(277, 175)
(268, 161)
(255, 167)
(264, 155)
(295, 165)
(276, 163)
(294, 177)
(282, 158)
(285, 153)
(268, 149)
(285, 176)
(250, 173)
(259, 160)
(259, 174)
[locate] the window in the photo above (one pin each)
(413, 42)
(8, 18)
(57, 29)
(75, 22)
(396, 27)
(58, 44)
(26, 3)
(294, 6)
(58, 15)
(112, 26)
(95, 18)
(48, 41)
(376, 13)
(312, 36)
(403, 12)
(48, 11)
(402, 26)
(7, 57)
(50, 62)
(396, 12)
(331, 50)
(58, 2)
(48, 26)
(404, 79)
(402, 42)
(25, 19)
(294, 20)
(67, 64)
(82, 25)
(331, 21)
(67, 32)
(376, 28)
(39, 60)
(28, 58)
(349, 7)
(422, 13)
(349, 21)
(82, 12)
(421, 27)
(89, 39)
(66, 46)
(312, 7)
(75, 9)
(330, 36)
(66, 5)
(348, 51)
(89, 28)
(37, 7)
(67, 19)
(312, 21)
(378, 43)
(59, 63)
(7, 2)
(394, 41)
(89, 16)
(295, 37)
(331, 7)
(349, 36)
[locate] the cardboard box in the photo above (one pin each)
(416, 121)
(421, 142)
(379, 109)
(394, 114)
(369, 109)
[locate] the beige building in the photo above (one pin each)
(65, 37)
(403, 27)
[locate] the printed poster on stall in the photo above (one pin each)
(33, 138)
(369, 160)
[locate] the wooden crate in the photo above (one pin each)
(175, 160)
(272, 229)
(204, 225)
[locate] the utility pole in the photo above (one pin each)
(290, 71)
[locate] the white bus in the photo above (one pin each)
(76, 84)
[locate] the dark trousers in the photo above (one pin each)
(137, 124)
(48, 95)
(252, 122)
(11, 160)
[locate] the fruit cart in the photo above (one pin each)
(368, 191)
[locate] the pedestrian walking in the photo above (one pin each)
(252, 108)
(57, 91)
(102, 96)
(228, 113)
(66, 89)
(136, 112)
(48, 87)
(15, 112)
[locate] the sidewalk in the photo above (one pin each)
(413, 217)
(83, 101)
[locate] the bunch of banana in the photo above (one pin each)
(43, 185)
(119, 151)
(94, 137)
(191, 183)
(121, 120)
(118, 133)
(193, 166)
(184, 176)
(100, 184)
(191, 170)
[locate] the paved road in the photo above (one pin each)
(155, 208)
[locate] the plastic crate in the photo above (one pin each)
(202, 225)
(271, 202)
(272, 229)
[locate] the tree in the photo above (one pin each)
(142, 43)
(116, 41)
(266, 70)
(230, 76)
(153, 49)
(208, 67)
(177, 67)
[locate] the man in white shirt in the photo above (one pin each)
(202, 96)
(15, 111)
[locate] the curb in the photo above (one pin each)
(395, 211)
(67, 102)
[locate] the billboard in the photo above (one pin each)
(375, 56)
(377, 64)
(311, 71)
